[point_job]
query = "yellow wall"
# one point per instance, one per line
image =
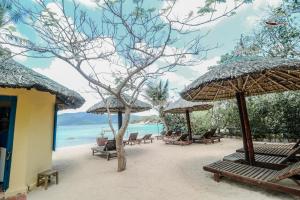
(32, 147)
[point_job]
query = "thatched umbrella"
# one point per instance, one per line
(15, 75)
(183, 106)
(115, 106)
(245, 77)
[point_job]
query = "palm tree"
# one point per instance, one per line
(7, 16)
(158, 95)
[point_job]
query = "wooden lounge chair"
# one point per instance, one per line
(132, 139)
(278, 145)
(271, 162)
(282, 150)
(108, 150)
(261, 177)
(146, 139)
(168, 134)
(182, 140)
(206, 137)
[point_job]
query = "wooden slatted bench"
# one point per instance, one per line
(45, 177)
(258, 176)
(102, 152)
(271, 162)
(283, 152)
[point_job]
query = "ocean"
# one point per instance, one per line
(86, 134)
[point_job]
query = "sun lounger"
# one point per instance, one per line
(261, 177)
(146, 138)
(273, 149)
(182, 140)
(271, 162)
(207, 137)
(267, 161)
(278, 145)
(132, 139)
(168, 134)
(108, 150)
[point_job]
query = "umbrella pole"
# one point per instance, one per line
(247, 137)
(188, 120)
(120, 119)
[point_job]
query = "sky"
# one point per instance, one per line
(225, 33)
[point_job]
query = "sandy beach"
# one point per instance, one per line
(154, 171)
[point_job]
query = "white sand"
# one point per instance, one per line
(154, 171)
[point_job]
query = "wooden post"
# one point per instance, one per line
(188, 121)
(54, 127)
(247, 136)
(119, 119)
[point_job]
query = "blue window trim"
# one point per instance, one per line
(10, 140)
(54, 127)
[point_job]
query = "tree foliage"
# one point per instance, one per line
(138, 40)
(158, 94)
(272, 115)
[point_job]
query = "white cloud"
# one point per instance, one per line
(88, 3)
(260, 7)
(263, 4)
(64, 74)
(183, 8)
(252, 21)
(203, 66)
(11, 29)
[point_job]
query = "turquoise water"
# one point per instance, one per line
(86, 134)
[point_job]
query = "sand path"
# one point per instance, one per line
(154, 171)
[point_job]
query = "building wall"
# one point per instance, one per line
(32, 147)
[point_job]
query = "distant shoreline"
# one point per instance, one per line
(136, 123)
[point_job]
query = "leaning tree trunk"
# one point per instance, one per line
(162, 116)
(119, 141)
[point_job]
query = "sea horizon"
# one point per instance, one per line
(74, 135)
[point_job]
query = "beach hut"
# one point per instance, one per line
(183, 106)
(242, 77)
(29, 103)
(115, 106)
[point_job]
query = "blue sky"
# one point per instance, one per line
(224, 32)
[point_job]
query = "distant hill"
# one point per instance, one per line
(83, 118)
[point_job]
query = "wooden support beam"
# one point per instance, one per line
(120, 119)
(197, 92)
(188, 121)
(276, 74)
(255, 82)
(247, 137)
(235, 88)
(245, 82)
(278, 84)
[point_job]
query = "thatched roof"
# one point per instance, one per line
(115, 106)
(15, 75)
(181, 106)
(252, 76)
